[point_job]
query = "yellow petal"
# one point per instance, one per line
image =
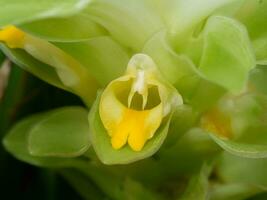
(111, 109)
(13, 37)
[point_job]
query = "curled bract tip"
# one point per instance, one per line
(133, 106)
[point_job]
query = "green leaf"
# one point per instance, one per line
(68, 29)
(101, 141)
(16, 143)
(253, 15)
(179, 70)
(115, 181)
(2, 58)
(260, 48)
(82, 184)
(195, 89)
(172, 66)
(183, 16)
(235, 169)
(247, 114)
(198, 185)
(13, 94)
(184, 118)
(233, 191)
(130, 22)
(230, 9)
(37, 68)
(241, 149)
(258, 79)
(16, 11)
(135, 190)
(227, 56)
(63, 133)
(103, 57)
(188, 154)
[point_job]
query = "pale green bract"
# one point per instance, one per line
(209, 56)
(214, 53)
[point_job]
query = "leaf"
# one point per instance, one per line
(188, 154)
(68, 29)
(196, 89)
(233, 191)
(101, 141)
(235, 169)
(63, 133)
(116, 182)
(103, 57)
(16, 11)
(2, 58)
(258, 79)
(179, 70)
(13, 94)
(135, 190)
(172, 66)
(241, 149)
(247, 119)
(198, 185)
(230, 9)
(111, 184)
(227, 56)
(253, 15)
(260, 48)
(37, 68)
(82, 184)
(129, 22)
(16, 143)
(183, 16)
(183, 119)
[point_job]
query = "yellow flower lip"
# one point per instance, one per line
(134, 127)
(133, 106)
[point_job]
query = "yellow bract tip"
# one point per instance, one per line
(216, 122)
(12, 36)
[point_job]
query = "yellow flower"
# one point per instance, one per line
(133, 106)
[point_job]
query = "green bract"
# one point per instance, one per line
(191, 74)
(21, 140)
